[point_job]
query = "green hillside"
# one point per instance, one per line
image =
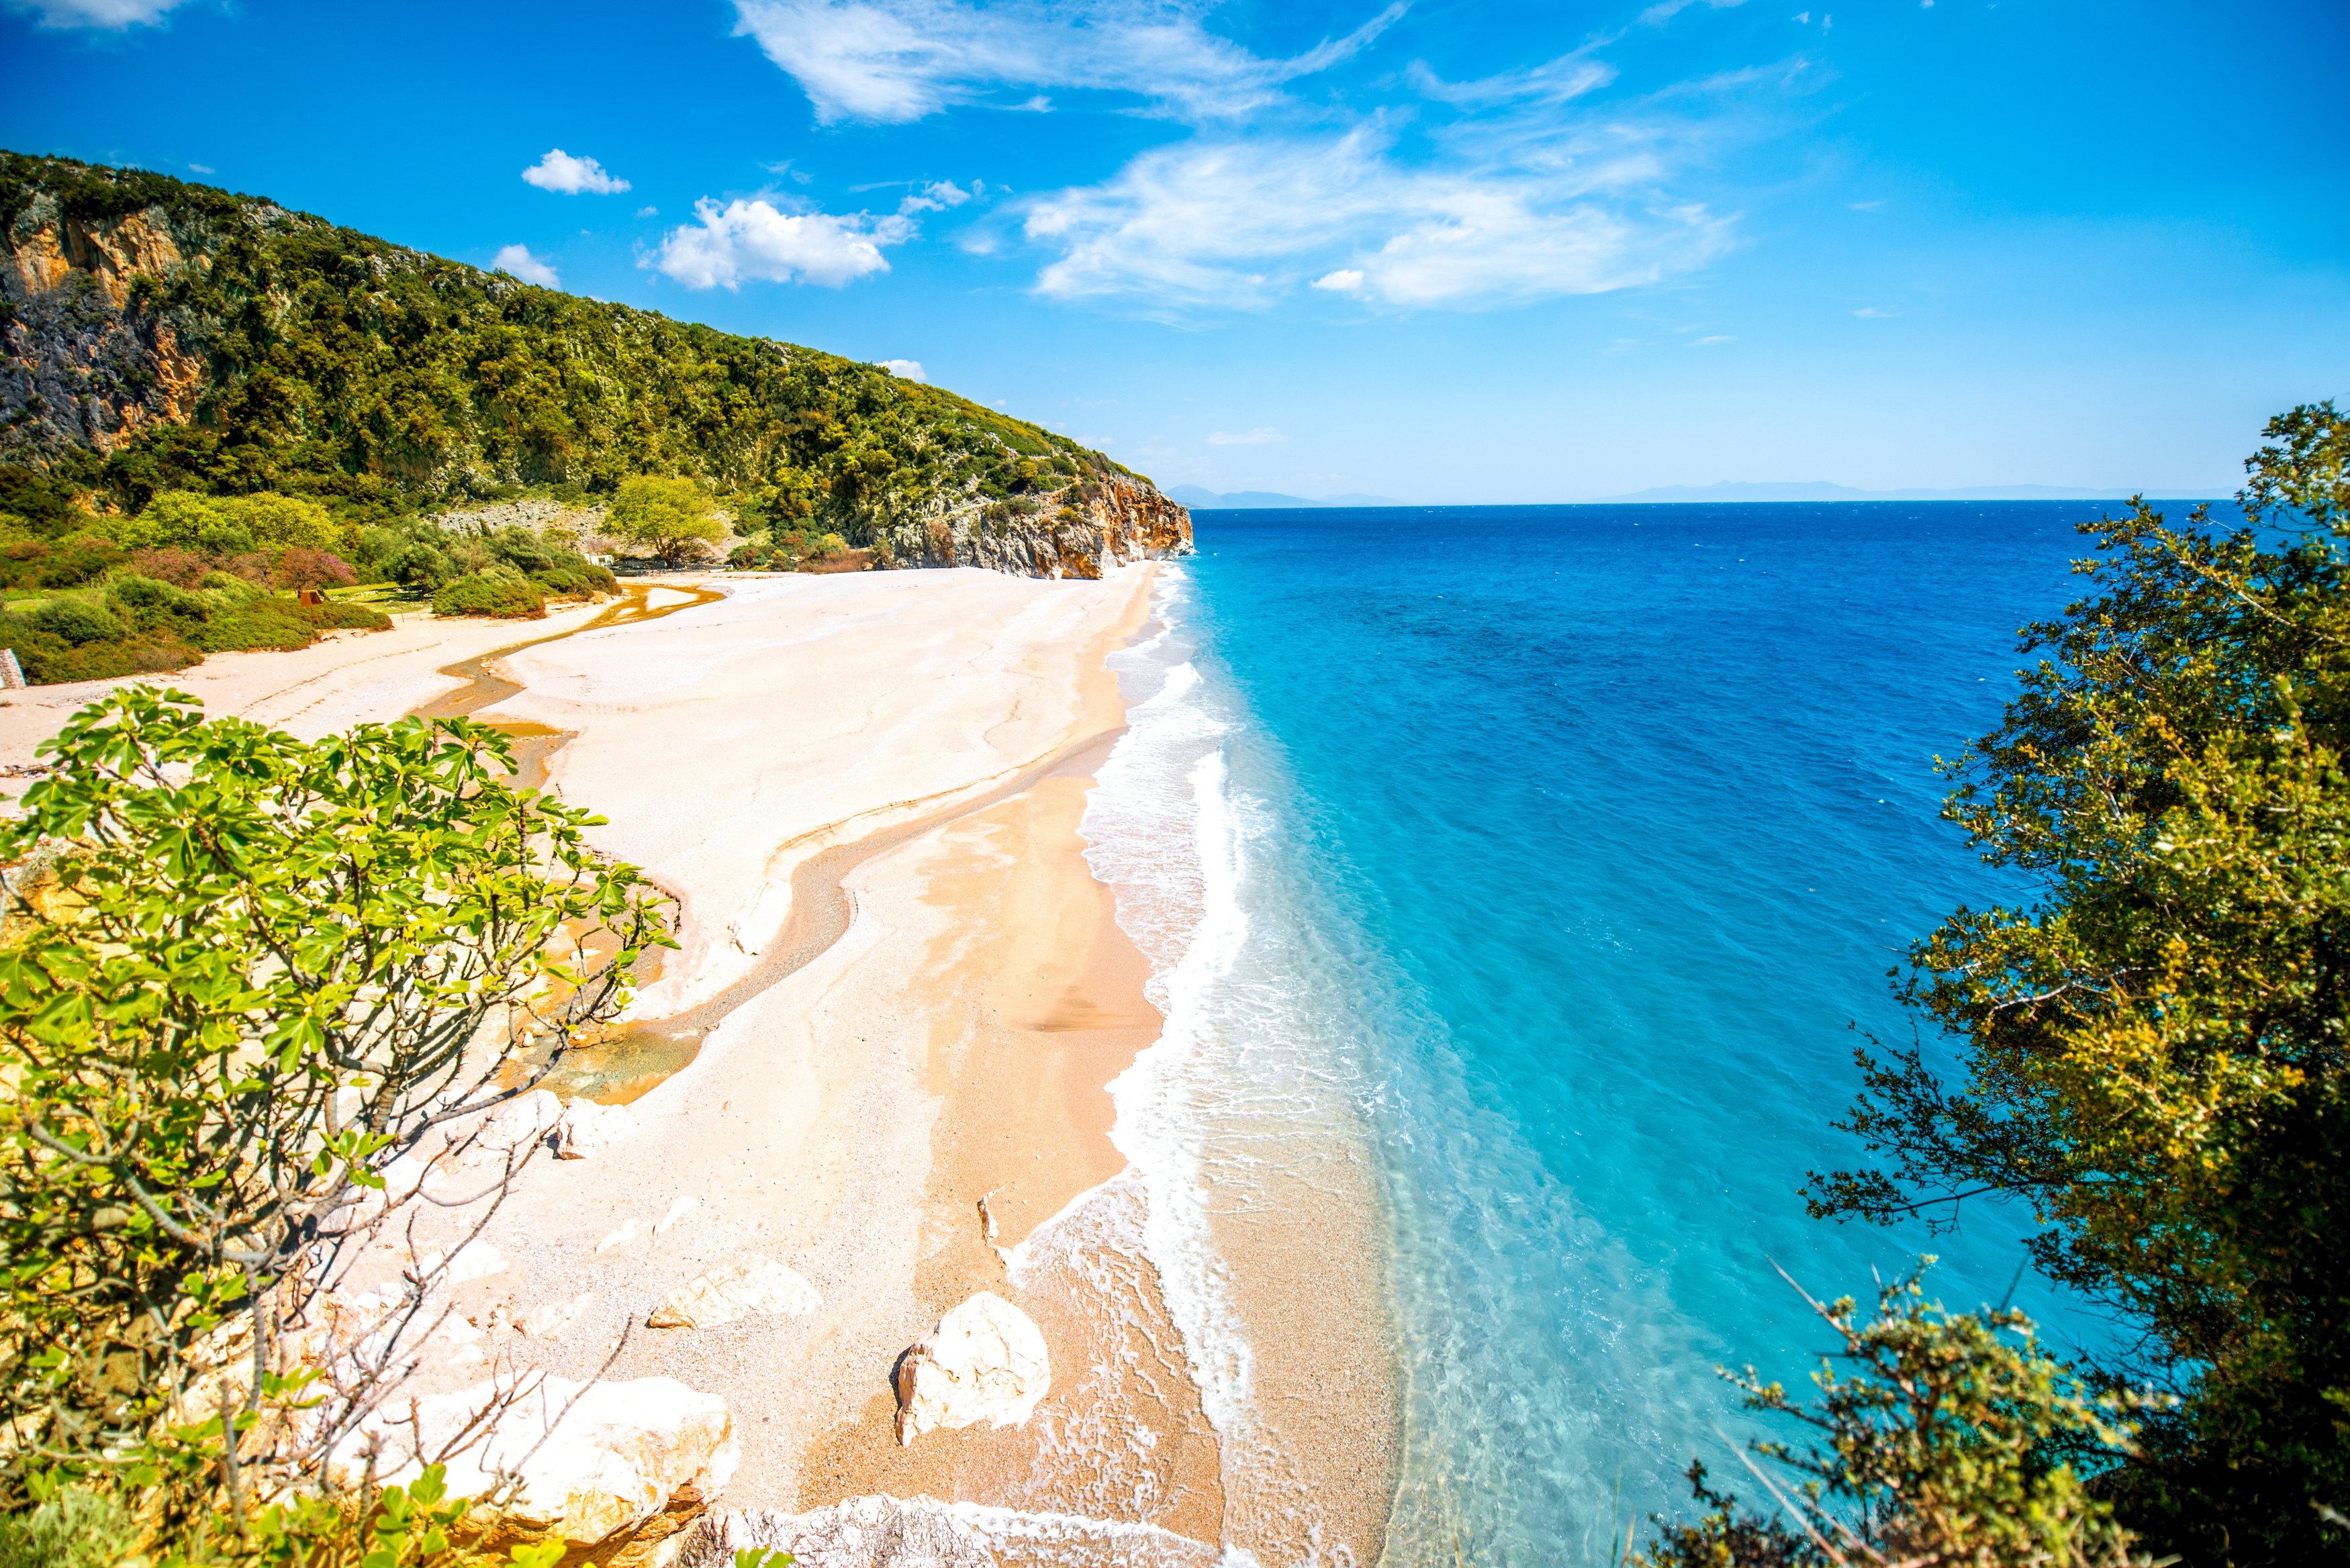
(162, 335)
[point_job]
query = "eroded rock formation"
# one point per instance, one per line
(89, 360)
(1080, 530)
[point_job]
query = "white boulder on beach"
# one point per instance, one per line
(985, 1361)
(594, 1463)
(586, 1129)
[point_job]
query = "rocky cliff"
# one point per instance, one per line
(159, 335)
(86, 368)
(1105, 521)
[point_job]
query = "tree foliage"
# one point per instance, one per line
(1938, 1443)
(380, 380)
(2153, 1049)
(667, 516)
(260, 974)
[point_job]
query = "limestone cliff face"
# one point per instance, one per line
(88, 361)
(1080, 530)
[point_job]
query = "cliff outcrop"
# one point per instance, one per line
(163, 336)
(86, 367)
(1079, 531)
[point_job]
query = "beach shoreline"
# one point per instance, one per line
(902, 1091)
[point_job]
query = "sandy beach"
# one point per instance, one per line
(926, 741)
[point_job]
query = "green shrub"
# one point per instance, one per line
(522, 549)
(479, 594)
(419, 566)
(146, 603)
(74, 562)
(377, 551)
(241, 630)
(48, 659)
(145, 626)
(75, 1529)
(333, 615)
(77, 621)
(574, 582)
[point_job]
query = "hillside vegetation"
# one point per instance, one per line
(163, 337)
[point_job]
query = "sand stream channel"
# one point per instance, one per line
(634, 1057)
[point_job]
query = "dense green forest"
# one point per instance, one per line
(185, 338)
(208, 401)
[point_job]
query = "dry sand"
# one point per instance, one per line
(933, 734)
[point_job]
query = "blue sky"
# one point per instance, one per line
(1446, 251)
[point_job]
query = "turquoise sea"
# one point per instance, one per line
(1567, 845)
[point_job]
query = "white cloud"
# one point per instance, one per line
(906, 369)
(1257, 437)
(896, 60)
(1237, 223)
(1554, 81)
(1875, 312)
(938, 197)
(1717, 338)
(559, 171)
(1666, 10)
(517, 260)
(109, 15)
(1513, 187)
(648, 211)
(754, 240)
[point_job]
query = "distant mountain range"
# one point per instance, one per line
(1821, 490)
(1257, 500)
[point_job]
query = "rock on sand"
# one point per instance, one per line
(629, 1462)
(588, 1129)
(984, 1362)
(746, 1287)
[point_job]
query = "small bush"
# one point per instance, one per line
(477, 594)
(77, 621)
(521, 549)
(574, 582)
(74, 1528)
(225, 590)
(333, 615)
(241, 630)
(48, 659)
(149, 604)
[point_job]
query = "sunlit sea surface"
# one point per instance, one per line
(1568, 844)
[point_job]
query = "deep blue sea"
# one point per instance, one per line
(1582, 837)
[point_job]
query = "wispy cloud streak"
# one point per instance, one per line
(890, 61)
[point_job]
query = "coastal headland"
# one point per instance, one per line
(879, 1056)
